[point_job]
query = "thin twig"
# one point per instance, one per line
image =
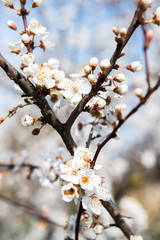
(29, 210)
(145, 48)
(78, 221)
(113, 133)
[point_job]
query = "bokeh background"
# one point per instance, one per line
(131, 165)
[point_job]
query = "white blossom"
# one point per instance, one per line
(36, 28)
(69, 191)
(44, 77)
(53, 63)
(27, 59)
(15, 47)
(73, 89)
(47, 44)
(27, 120)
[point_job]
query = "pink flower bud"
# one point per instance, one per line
(134, 66)
(115, 30)
(1, 119)
(12, 25)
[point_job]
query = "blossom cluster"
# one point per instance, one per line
(80, 182)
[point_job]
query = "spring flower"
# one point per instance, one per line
(36, 28)
(104, 64)
(27, 120)
(46, 43)
(12, 25)
(15, 47)
(73, 89)
(31, 70)
(53, 62)
(134, 66)
(27, 59)
(92, 200)
(47, 75)
(88, 180)
(69, 191)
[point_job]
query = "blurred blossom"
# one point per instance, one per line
(120, 167)
(133, 208)
(148, 159)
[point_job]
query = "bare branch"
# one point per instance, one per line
(30, 210)
(118, 218)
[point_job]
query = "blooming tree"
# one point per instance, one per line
(91, 91)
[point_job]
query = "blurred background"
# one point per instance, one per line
(131, 165)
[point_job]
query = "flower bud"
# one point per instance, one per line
(12, 25)
(134, 66)
(35, 131)
(118, 109)
(27, 120)
(115, 30)
(123, 32)
(120, 77)
(1, 119)
(121, 89)
(138, 92)
(87, 69)
(93, 62)
(104, 64)
(25, 38)
(91, 77)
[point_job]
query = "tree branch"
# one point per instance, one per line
(134, 24)
(29, 210)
